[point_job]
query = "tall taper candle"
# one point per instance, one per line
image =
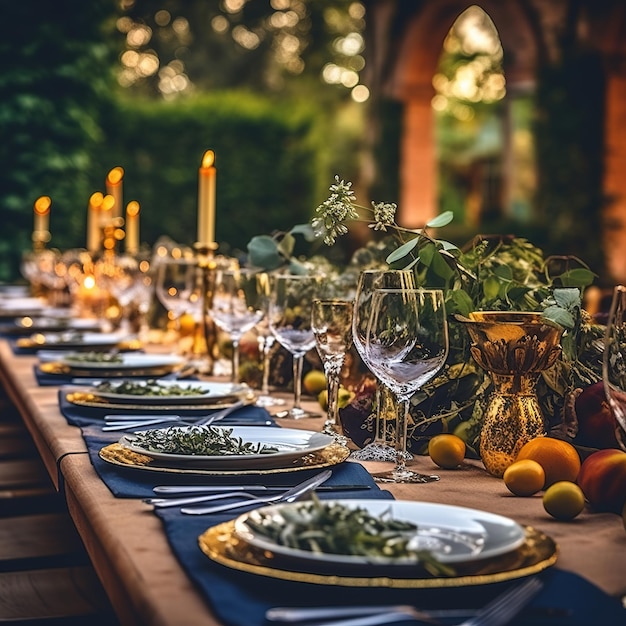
(206, 199)
(94, 232)
(114, 188)
(42, 214)
(132, 227)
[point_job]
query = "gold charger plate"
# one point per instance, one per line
(537, 553)
(122, 346)
(117, 454)
(93, 401)
(57, 368)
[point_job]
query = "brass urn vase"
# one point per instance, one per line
(514, 348)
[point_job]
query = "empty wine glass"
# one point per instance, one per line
(176, 279)
(266, 342)
(614, 362)
(236, 307)
(331, 321)
(406, 345)
(369, 280)
(290, 322)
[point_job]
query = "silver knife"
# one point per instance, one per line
(206, 489)
(161, 503)
(288, 496)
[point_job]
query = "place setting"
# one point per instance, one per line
(88, 367)
(76, 340)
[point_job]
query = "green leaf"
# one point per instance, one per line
(402, 251)
(443, 219)
(263, 252)
(459, 302)
(567, 298)
(440, 267)
(491, 288)
(579, 277)
(504, 272)
(426, 254)
(447, 246)
(305, 230)
(560, 316)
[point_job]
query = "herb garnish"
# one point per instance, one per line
(95, 357)
(332, 528)
(149, 388)
(198, 440)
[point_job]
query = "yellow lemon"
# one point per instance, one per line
(524, 478)
(345, 397)
(314, 382)
(564, 500)
(446, 450)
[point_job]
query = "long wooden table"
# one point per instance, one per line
(144, 580)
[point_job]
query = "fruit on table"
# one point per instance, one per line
(345, 397)
(564, 500)
(314, 382)
(559, 459)
(446, 450)
(524, 478)
(602, 478)
(596, 424)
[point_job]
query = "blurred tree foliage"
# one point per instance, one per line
(56, 71)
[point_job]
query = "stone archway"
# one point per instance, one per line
(404, 43)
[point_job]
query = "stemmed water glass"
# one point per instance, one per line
(331, 321)
(614, 362)
(290, 322)
(369, 280)
(266, 342)
(406, 345)
(236, 307)
(176, 279)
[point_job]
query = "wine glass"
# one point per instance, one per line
(266, 342)
(614, 362)
(290, 322)
(236, 307)
(379, 449)
(406, 345)
(176, 278)
(331, 321)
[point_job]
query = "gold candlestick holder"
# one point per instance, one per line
(205, 255)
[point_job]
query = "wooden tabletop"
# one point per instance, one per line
(143, 578)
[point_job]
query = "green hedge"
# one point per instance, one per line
(265, 159)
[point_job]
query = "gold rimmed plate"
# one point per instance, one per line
(78, 341)
(118, 455)
(288, 444)
(221, 544)
(93, 401)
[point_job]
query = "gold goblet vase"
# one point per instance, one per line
(514, 348)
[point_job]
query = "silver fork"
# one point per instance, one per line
(498, 612)
(116, 422)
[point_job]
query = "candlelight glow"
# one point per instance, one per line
(115, 176)
(208, 159)
(42, 205)
(132, 209)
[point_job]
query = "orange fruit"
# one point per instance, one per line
(524, 478)
(559, 459)
(564, 500)
(446, 450)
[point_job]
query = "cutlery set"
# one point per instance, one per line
(499, 612)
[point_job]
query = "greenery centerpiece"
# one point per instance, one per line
(490, 273)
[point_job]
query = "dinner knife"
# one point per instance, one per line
(161, 503)
(199, 489)
(288, 496)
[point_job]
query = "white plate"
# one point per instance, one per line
(207, 391)
(57, 323)
(125, 361)
(452, 533)
(292, 444)
(78, 339)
